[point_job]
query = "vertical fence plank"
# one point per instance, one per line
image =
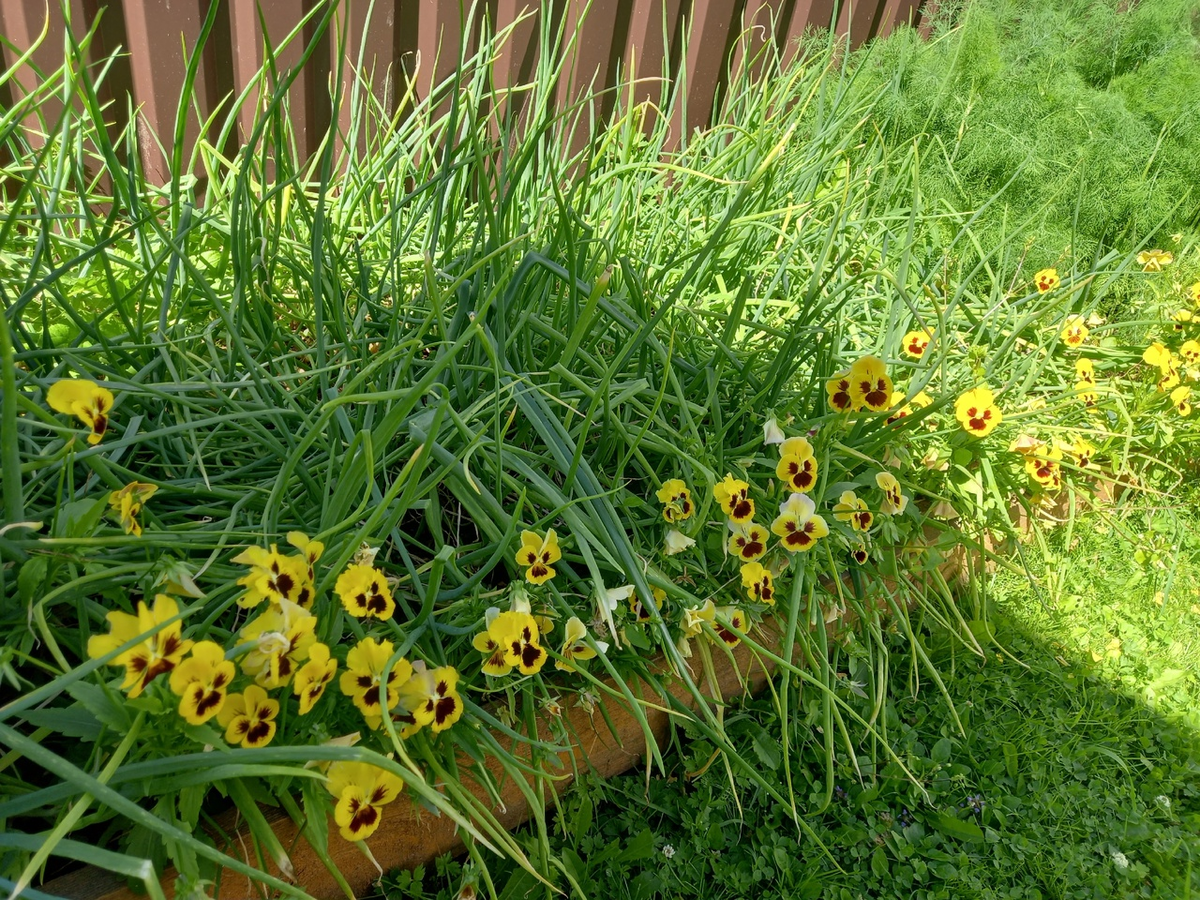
(517, 60)
(758, 27)
(592, 65)
(652, 23)
(857, 19)
(158, 43)
(373, 38)
(429, 51)
(807, 14)
(308, 101)
(21, 21)
(929, 10)
(708, 28)
(899, 12)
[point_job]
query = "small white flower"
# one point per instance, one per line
(677, 542)
(612, 597)
(772, 433)
(1120, 860)
(668, 851)
(1164, 801)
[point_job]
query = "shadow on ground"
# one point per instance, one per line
(1065, 787)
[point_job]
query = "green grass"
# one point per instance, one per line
(1078, 777)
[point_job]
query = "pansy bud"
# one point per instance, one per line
(677, 542)
(772, 433)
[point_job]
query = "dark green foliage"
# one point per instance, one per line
(1084, 113)
(1063, 789)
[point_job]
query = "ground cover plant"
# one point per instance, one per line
(1033, 802)
(736, 383)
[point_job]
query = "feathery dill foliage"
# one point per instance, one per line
(1081, 114)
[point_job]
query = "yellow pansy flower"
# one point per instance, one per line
(1046, 280)
(798, 525)
(363, 677)
(915, 343)
(156, 655)
(1170, 376)
(772, 433)
(747, 541)
(851, 508)
(431, 697)
(274, 577)
(493, 647)
(676, 542)
(759, 585)
(640, 612)
(280, 639)
(732, 495)
(1086, 393)
(1081, 452)
(1043, 466)
(837, 389)
(676, 500)
(575, 647)
(1190, 351)
(127, 504)
(1157, 355)
(1075, 332)
(1194, 291)
(518, 634)
(538, 554)
(1155, 260)
(1085, 370)
(364, 592)
(1026, 444)
(977, 412)
(736, 619)
(201, 682)
(362, 790)
(797, 466)
(1181, 398)
(796, 446)
(870, 386)
(249, 718)
(311, 551)
(894, 501)
(694, 618)
(85, 400)
(313, 677)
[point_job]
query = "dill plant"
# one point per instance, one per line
(1079, 117)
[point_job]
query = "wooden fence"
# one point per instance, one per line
(402, 39)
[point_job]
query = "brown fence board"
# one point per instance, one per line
(898, 12)
(857, 19)
(707, 25)
(21, 21)
(373, 38)
(157, 43)
(647, 50)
